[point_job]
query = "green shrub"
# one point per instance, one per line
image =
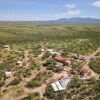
(50, 65)
(5, 90)
(16, 81)
(95, 65)
(96, 86)
(45, 56)
(59, 96)
(26, 73)
(50, 92)
(33, 84)
(2, 83)
(57, 68)
(32, 96)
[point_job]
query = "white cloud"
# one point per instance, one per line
(69, 13)
(70, 5)
(97, 3)
(73, 12)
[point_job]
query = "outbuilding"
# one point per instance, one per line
(50, 50)
(75, 56)
(42, 50)
(19, 63)
(6, 46)
(8, 74)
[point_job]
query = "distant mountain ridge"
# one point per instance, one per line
(76, 20)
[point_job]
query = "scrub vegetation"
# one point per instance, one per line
(33, 67)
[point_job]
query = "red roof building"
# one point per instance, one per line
(62, 60)
(84, 70)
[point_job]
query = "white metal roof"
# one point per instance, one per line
(7, 73)
(19, 62)
(6, 46)
(59, 86)
(50, 50)
(54, 87)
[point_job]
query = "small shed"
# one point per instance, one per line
(50, 50)
(6, 46)
(75, 56)
(42, 50)
(8, 74)
(19, 63)
(69, 62)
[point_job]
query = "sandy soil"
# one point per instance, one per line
(56, 76)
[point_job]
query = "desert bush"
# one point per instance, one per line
(33, 84)
(2, 83)
(26, 73)
(32, 96)
(50, 92)
(95, 65)
(16, 81)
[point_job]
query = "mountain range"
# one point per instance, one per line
(76, 20)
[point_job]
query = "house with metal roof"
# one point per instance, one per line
(61, 84)
(63, 60)
(84, 71)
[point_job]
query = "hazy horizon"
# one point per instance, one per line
(46, 10)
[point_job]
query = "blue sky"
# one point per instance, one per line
(32, 10)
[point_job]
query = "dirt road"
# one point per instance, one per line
(88, 58)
